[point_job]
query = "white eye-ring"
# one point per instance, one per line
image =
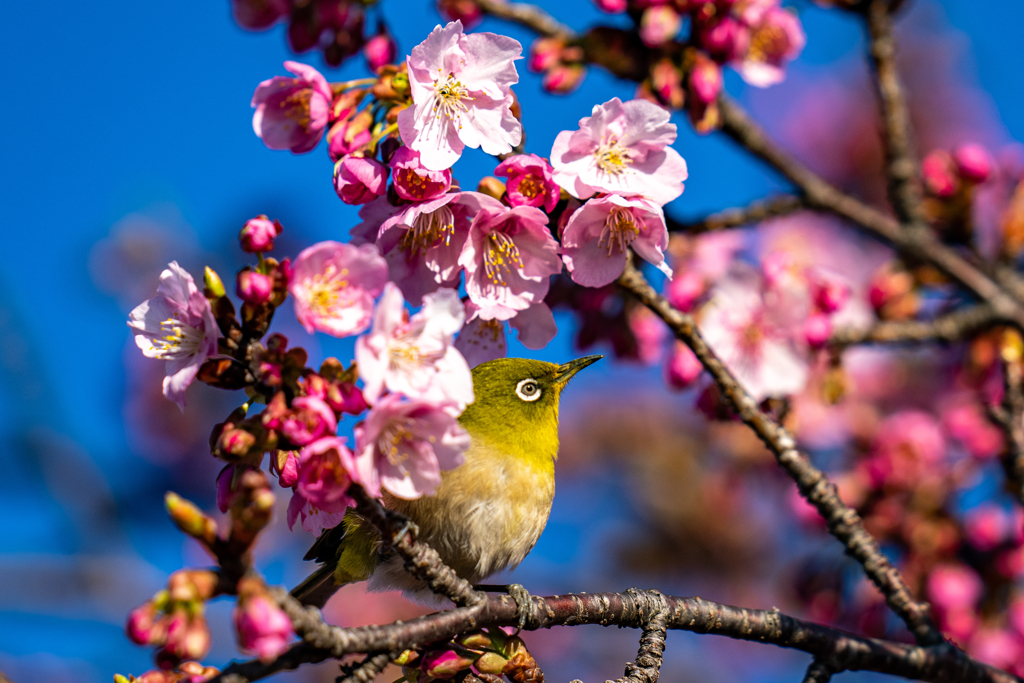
(528, 390)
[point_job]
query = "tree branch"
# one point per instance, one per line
(529, 16)
(818, 672)
(1010, 418)
(900, 161)
(843, 522)
(941, 663)
(959, 325)
(647, 666)
(760, 210)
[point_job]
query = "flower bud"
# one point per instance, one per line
(666, 82)
(145, 626)
(830, 295)
(491, 186)
(563, 78)
(406, 657)
(380, 50)
(358, 180)
(725, 40)
(466, 11)
(258, 234)
(475, 640)
(235, 441)
(973, 162)
(817, 330)
(413, 181)
(189, 518)
(188, 638)
(939, 174)
(255, 288)
(213, 287)
(288, 468)
(544, 54)
(446, 663)
(491, 663)
(263, 628)
(659, 24)
(611, 6)
(683, 367)
(685, 290)
(348, 136)
(706, 79)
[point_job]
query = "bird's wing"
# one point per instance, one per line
(349, 553)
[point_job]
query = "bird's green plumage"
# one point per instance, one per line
(488, 513)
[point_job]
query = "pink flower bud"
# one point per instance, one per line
(683, 367)
(256, 288)
(358, 180)
(263, 628)
(234, 441)
(725, 40)
(939, 174)
(380, 50)
(258, 234)
(973, 162)
(611, 6)
(445, 663)
(830, 295)
(951, 586)
(659, 25)
(145, 626)
(187, 638)
(986, 526)
(466, 11)
(225, 491)
(563, 78)
(706, 80)
(544, 53)
(817, 330)
(289, 474)
(685, 289)
(349, 136)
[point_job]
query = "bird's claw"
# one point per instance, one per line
(524, 603)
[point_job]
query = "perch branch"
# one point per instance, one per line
(529, 16)
(961, 324)
(760, 210)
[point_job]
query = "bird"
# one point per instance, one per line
(488, 513)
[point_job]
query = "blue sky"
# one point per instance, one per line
(126, 106)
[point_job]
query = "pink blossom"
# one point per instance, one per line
(650, 334)
(817, 330)
(263, 628)
(334, 286)
(145, 626)
(326, 468)
(774, 41)
(310, 419)
(954, 586)
(258, 234)
(178, 326)
(939, 173)
(706, 80)
(445, 664)
(461, 96)
(829, 293)
(545, 53)
(622, 148)
(908, 446)
(313, 519)
(187, 637)
(659, 24)
(995, 647)
(986, 526)
(410, 442)
(415, 356)
(289, 474)
(509, 257)
(753, 334)
(481, 340)
(611, 6)
(291, 113)
(535, 327)
(683, 367)
(597, 237)
(349, 135)
(253, 287)
(420, 242)
(415, 182)
(380, 50)
(685, 289)
(358, 180)
(562, 79)
(973, 162)
(724, 40)
(529, 181)
(974, 430)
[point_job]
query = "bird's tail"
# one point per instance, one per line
(317, 588)
(349, 553)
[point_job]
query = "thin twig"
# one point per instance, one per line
(900, 161)
(530, 16)
(760, 210)
(961, 324)
(843, 522)
(818, 672)
(1010, 418)
(942, 663)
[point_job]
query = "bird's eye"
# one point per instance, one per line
(528, 390)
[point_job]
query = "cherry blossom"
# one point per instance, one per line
(326, 469)
(776, 37)
(410, 442)
(529, 181)
(509, 257)
(334, 286)
(754, 336)
(461, 96)
(415, 182)
(597, 237)
(358, 180)
(420, 242)
(292, 113)
(263, 628)
(415, 356)
(177, 326)
(622, 148)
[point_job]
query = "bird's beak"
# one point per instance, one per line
(567, 371)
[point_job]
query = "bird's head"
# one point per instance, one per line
(516, 404)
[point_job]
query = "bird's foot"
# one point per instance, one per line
(524, 601)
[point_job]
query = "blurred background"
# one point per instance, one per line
(133, 146)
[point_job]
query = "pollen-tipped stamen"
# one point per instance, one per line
(620, 229)
(500, 255)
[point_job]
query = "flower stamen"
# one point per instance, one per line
(500, 255)
(449, 96)
(620, 229)
(179, 339)
(429, 230)
(612, 158)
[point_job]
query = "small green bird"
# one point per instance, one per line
(488, 513)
